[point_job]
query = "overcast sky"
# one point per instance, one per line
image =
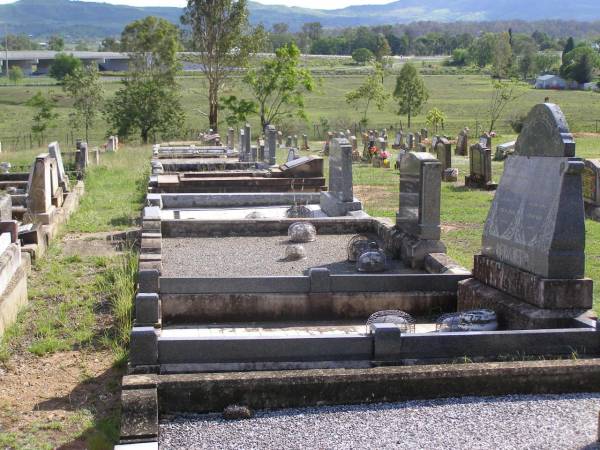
(321, 4)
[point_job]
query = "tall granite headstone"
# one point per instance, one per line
(271, 153)
(418, 217)
(339, 199)
(532, 264)
(248, 142)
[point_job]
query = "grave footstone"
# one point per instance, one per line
(532, 264)
(339, 199)
(418, 217)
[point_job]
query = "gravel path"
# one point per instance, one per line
(514, 422)
(256, 256)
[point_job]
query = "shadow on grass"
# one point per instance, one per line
(101, 397)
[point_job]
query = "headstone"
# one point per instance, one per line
(112, 144)
(536, 222)
(292, 154)
(410, 141)
(279, 138)
(398, 141)
(248, 142)
(443, 150)
(304, 167)
(271, 147)
(591, 188)
(485, 140)
(480, 164)
(242, 142)
(532, 264)
(295, 141)
(39, 187)
(230, 138)
(504, 150)
(424, 133)
(462, 143)
(339, 199)
(420, 188)
(54, 151)
(417, 138)
(305, 142)
(288, 142)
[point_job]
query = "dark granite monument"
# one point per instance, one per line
(462, 143)
(443, 151)
(532, 264)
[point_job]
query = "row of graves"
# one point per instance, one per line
(34, 202)
(270, 297)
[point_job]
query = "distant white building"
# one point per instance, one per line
(550, 82)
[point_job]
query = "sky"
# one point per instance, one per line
(320, 4)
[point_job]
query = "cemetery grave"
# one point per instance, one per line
(32, 208)
(244, 297)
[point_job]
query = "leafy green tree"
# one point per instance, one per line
(109, 44)
(503, 93)
(482, 49)
(43, 113)
(579, 64)
(569, 46)
(15, 74)
(546, 62)
(410, 92)
(85, 89)
(223, 37)
(239, 110)
(435, 118)
(382, 48)
(56, 43)
(502, 59)
(18, 42)
(64, 65)
(371, 91)
(312, 30)
(279, 84)
(362, 55)
(459, 57)
(149, 101)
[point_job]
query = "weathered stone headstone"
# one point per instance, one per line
(248, 143)
(39, 187)
(230, 138)
(410, 141)
(279, 138)
(339, 199)
(462, 143)
(504, 150)
(242, 141)
(305, 142)
(443, 150)
(418, 215)
(398, 141)
(480, 164)
(591, 188)
(271, 147)
(292, 154)
(295, 141)
(54, 151)
(532, 263)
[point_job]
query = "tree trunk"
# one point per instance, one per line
(145, 136)
(409, 121)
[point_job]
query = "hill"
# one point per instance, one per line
(81, 19)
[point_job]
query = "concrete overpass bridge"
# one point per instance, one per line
(36, 62)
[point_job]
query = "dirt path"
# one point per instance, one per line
(68, 397)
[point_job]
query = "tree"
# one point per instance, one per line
(382, 48)
(280, 28)
(369, 92)
(410, 92)
(18, 42)
(503, 93)
(223, 38)
(85, 89)
(459, 57)
(312, 30)
(44, 115)
(56, 43)
(569, 46)
(546, 62)
(362, 55)
(579, 64)
(109, 44)
(15, 74)
(64, 65)
(435, 118)
(502, 58)
(279, 84)
(239, 110)
(149, 101)
(482, 49)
